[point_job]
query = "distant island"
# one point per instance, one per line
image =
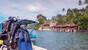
(75, 20)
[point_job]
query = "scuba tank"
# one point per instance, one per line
(10, 28)
(6, 29)
(13, 29)
(13, 40)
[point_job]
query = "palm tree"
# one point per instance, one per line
(86, 1)
(63, 9)
(80, 2)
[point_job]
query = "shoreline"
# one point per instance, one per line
(63, 31)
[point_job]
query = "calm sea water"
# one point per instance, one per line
(62, 40)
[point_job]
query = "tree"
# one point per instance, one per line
(42, 19)
(70, 16)
(84, 22)
(59, 19)
(87, 7)
(80, 2)
(86, 1)
(69, 11)
(63, 9)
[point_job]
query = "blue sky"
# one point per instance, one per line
(28, 9)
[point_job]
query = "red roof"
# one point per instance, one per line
(67, 25)
(46, 25)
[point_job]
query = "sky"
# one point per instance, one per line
(29, 9)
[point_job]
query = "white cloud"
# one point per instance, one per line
(35, 8)
(30, 8)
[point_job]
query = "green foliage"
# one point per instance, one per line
(42, 19)
(80, 2)
(59, 19)
(80, 17)
(83, 22)
(37, 26)
(76, 16)
(86, 1)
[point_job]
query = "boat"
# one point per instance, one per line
(22, 43)
(38, 48)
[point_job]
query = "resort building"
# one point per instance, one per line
(66, 28)
(46, 27)
(60, 28)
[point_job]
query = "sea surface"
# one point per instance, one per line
(62, 40)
